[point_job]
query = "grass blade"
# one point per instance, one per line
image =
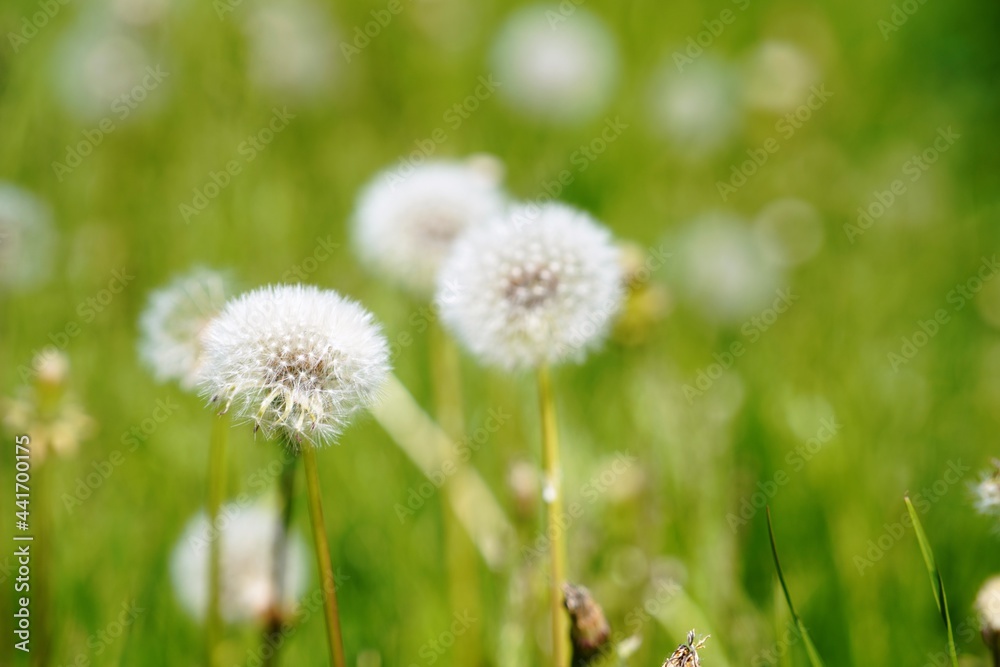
(811, 651)
(937, 584)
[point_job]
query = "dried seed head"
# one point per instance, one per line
(686, 654)
(589, 630)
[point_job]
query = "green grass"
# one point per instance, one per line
(694, 463)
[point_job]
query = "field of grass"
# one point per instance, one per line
(880, 376)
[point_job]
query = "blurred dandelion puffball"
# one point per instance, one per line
(789, 230)
(986, 492)
(294, 359)
(555, 63)
(540, 286)
(246, 564)
(173, 322)
(404, 225)
(722, 270)
(988, 607)
(778, 76)
(291, 48)
(26, 238)
(697, 109)
(102, 71)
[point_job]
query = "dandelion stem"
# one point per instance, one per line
(323, 558)
(216, 491)
(286, 494)
(463, 574)
(552, 495)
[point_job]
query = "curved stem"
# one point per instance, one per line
(323, 558)
(216, 491)
(552, 494)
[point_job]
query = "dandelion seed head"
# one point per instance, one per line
(246, 565)
(96, 63)
(697, 110)
(722, 269)
(986, 491)
(554, 66)
(789, 230)
(988, 607)
(778, 76)
(405, 224)
(294, 359)
(171, 326)
(539, 286)
(26, 239)
(291, 49)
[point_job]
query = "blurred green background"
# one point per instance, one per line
(698, 457)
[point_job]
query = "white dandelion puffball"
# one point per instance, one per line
(778, 77)
(556, 65)
(988, 606)
(697, 109)
(247, 590)
(986, 492)
(296, 360)
(26, 239)
(789, 230)
(100, 68)
(405, 225)
(539, 286)
(291, 48)
(171, 326)
(722, 269)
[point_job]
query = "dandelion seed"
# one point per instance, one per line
(294, 359)
(246, 556)
(405, 225)
(538, 287)
(173, 322)
(553, 66)
(26, 239)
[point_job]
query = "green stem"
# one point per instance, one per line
(552, 495)
(460, 555)
(323, 558)
(216, 491)
(276, 620)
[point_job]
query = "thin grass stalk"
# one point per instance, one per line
(327, 581)
(811, 651)
(937, 584)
